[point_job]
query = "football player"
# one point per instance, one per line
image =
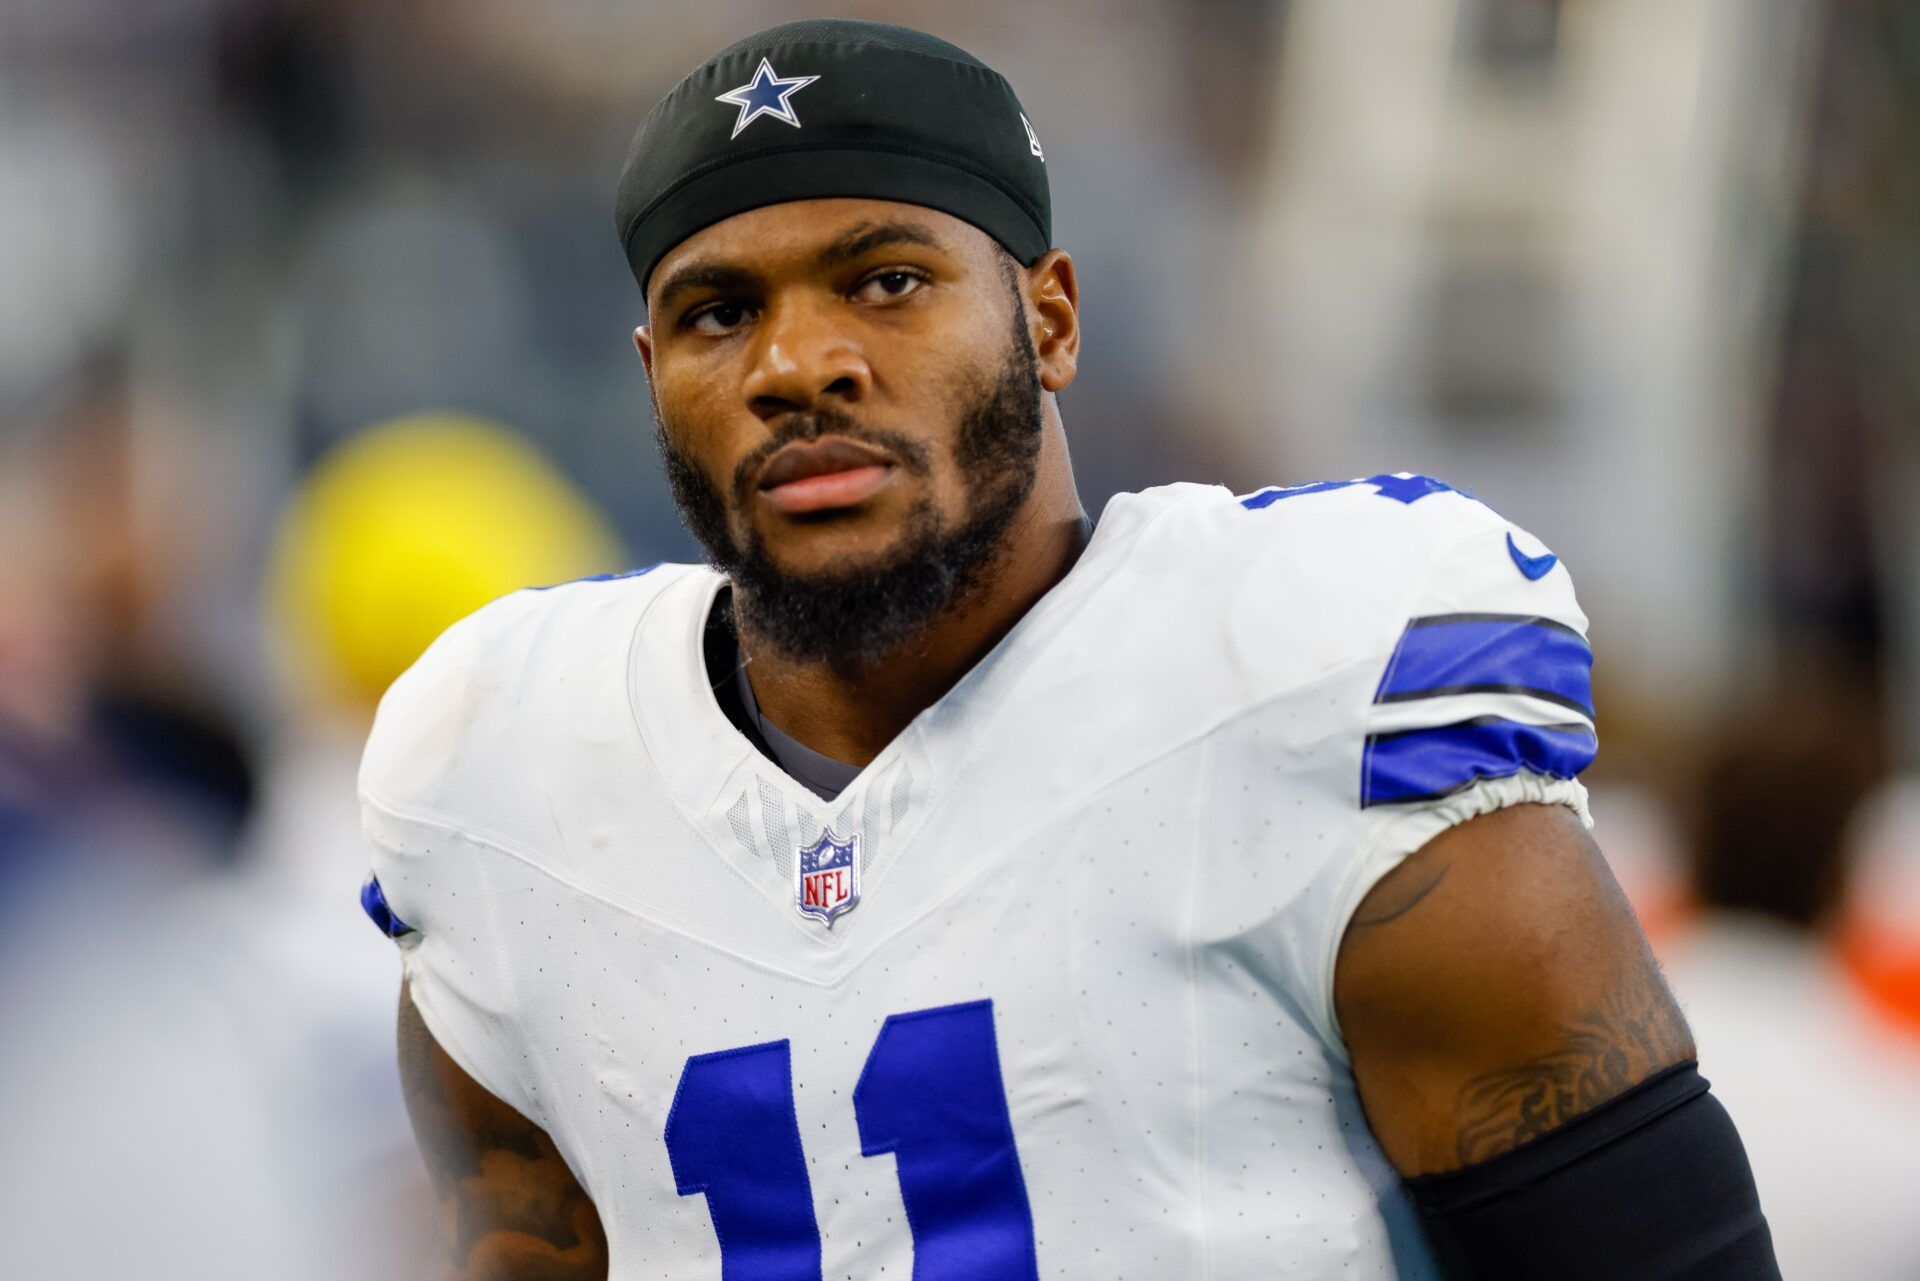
(938, 884)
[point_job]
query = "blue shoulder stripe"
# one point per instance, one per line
(373, 900)
(1407, 488)
(1268, 497)
(1425, 764)
(642, 572)
(1490, 654)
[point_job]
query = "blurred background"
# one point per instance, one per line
(314, 335)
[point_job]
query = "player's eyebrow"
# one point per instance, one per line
(718, 277)
(851, 245)
(869, 236)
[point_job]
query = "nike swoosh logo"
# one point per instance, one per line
(1534, 567)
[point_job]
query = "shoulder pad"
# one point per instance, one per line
(460, 697)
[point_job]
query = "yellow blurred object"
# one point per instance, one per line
(409, 527)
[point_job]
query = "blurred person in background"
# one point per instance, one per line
(119, 789)
(121, 772)
(1828, 1095)
(235, 1035)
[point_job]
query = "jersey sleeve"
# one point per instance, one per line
(1485, 700)
(1489, 678)
(1452, 679)
(432, 885)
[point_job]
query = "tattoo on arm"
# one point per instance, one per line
(509, 1208)
(1609, 1049)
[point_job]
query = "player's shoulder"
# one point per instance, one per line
(1296, 580)
(498, 674)
(489, 650)
(1381, 536)
(1393, 525)
(1454, 636)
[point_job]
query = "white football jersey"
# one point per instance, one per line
(1047, 991)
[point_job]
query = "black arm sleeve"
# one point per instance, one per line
(1653, 1185)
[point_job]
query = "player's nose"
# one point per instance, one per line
(801, 358)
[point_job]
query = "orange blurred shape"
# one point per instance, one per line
(1879, 935)
(1886, 964)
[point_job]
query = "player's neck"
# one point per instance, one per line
(852, 714)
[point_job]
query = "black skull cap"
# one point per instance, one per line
(829, 107)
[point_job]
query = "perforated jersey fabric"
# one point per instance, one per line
(1100, 889)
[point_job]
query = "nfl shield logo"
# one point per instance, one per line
(826, 877)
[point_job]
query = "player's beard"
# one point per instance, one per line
(861, 610)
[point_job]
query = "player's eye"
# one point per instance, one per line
(884, 286)
(718, 317)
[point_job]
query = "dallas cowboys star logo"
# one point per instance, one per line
(765, 95)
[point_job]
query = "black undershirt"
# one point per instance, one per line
(822, 775)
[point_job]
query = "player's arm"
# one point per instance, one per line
(510, 1209)
(1524, 1066)
(1496, 985)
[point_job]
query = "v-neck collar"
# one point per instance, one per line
(692, 741)
(823, 775)
(727, 676)
(752, 812)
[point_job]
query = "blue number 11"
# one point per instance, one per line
(931, 1094)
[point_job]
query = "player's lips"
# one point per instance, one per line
(820, 475)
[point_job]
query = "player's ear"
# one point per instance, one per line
(643, 343)
(1053, 292)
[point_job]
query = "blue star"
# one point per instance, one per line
(765, 95)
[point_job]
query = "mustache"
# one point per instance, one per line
(913, 456)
